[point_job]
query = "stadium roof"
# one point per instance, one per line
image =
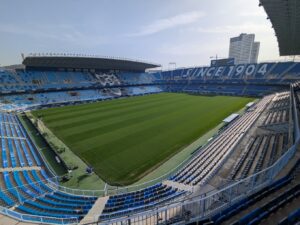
(86, 62)
(230, 118)
(285, 18)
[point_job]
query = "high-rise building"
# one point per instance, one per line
(244, 49)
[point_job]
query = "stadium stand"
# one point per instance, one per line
(30, 193)
(270, 207)
(277, 190)
(25, 185)
(261, 152)
(292, 218)
(31, 88)
(24, 180)
(141, 200)
(210, 159)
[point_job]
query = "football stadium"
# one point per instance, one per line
(108, 140)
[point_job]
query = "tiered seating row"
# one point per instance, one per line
(278, 116)
(282, 101)
(12, 81)
(247, 202)
(140, 200)
(292, 218)
(21, 102)
(258, 214)
(261, 152)
(279, 110)
(17, 150)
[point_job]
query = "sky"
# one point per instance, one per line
(187, 32)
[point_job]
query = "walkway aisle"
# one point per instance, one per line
(95, 211)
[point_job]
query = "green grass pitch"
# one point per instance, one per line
(125, 139)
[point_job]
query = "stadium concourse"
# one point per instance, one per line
(253, 156)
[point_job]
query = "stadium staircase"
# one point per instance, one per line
(97, 209)
(9, 137)
(25, 168)
(5, 220)
(179, 186)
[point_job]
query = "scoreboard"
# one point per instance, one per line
(222, 62)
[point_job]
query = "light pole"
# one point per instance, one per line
(214, 57)
(172, 64)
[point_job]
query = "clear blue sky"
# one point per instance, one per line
(187, 32)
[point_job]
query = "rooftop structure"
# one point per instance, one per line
(284, 16)
(73, 61)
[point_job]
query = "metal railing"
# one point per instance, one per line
(37, 219)
(55, 185)
(208, 204)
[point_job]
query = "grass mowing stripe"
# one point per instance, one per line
(131, 116)
(90, 117)
(105, 107)
(84, 107)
